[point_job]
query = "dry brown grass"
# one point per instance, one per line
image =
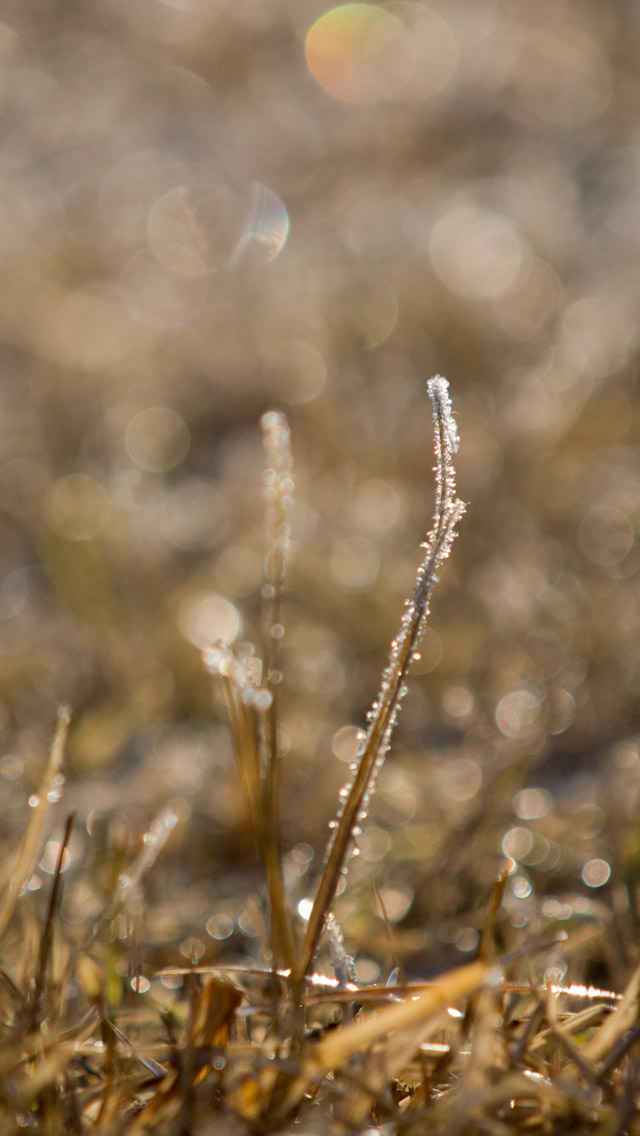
(196, 225)
(98, 1039)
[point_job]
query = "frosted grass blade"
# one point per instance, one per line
(383, 714)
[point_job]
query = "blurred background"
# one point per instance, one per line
(211, 208)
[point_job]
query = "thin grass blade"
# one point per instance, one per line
(383, 715)
(32, 838)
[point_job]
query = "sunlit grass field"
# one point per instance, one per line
(237, 241)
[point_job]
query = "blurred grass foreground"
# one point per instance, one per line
(210, 209)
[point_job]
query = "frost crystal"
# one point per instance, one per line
(278, 486)
(243, 671)
(438, 390)
(343, 966)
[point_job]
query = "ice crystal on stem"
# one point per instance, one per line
(278, 490)
(343, 965)
(244, 673)
(384, 712)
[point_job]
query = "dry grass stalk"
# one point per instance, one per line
(251, 690)
(249, 1050)
(278, 492)
(49, 792)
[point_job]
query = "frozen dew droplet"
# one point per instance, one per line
(262, 699)
(55, 792)
(218, 658)
(304, 908)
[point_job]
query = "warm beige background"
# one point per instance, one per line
(193, 230)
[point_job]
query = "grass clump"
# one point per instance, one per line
(105, 1031)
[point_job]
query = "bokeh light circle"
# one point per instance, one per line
(476, 253)
(206, 618)
(433, 50)
(595, 873)
(605, 535)
(517, 712)
(352, 53)
(366, 53)
(296, 372)
(157, 439)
